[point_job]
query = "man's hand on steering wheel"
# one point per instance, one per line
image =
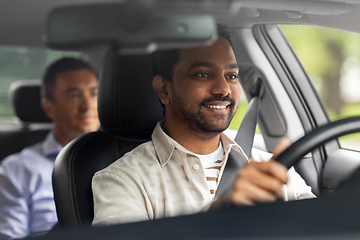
(258, 182)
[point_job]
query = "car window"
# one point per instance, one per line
(22, 63)
(331, 59)
(240, 112)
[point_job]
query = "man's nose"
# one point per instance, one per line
(85, 102)
(220, 86)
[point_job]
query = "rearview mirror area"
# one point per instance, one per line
(131, 27)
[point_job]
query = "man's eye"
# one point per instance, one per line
(232, 76)
(202, 75)
(74, 95)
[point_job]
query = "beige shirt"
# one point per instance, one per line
(161, 178)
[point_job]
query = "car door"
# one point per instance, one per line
(291, 106)
(340, 158)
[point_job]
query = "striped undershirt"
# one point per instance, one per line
(212, 163)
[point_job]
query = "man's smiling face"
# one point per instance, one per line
(205, 90)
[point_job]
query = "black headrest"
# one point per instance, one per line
(26, 100)
(127, 102)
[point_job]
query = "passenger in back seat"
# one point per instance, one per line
(69, 98)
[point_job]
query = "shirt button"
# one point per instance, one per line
(196, 167)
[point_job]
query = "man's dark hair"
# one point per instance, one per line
(59, 66)
(164, 61)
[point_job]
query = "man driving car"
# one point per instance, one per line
(69, 98)
(179, 170)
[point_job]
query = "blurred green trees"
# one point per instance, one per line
(324, 53)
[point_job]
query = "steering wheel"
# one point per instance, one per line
(310, 141)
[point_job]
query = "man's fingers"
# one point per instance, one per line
(246, 193)
(259, 182)
(271, 168)
(261, 176)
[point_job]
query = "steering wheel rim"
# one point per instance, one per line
(317, 137)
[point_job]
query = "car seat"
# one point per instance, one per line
(31, 125)
(128, 111)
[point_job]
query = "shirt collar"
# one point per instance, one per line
(229, 144)
(50, 146)
(165, 145)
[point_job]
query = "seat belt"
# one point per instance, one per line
(245, 135)
(244, 138)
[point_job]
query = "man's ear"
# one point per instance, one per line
(161, 86)
(48, 107)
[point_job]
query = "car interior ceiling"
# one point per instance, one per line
(24, 27)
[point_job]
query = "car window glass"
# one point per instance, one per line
(331, 59)
(240, 112)
(22, 63)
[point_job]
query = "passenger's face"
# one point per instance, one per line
(205, 90)
(74, 107)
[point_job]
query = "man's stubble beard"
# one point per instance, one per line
(197, 121)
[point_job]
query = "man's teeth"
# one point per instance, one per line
(216, 107)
